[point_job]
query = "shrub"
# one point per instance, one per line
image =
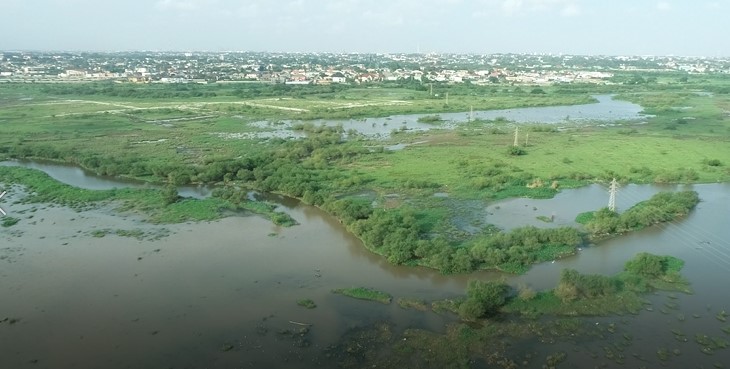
(483, 298)
(566, 292)
(169, 194)
(471, 310)
(526, 293)
(307, 303)
(516, 151)
(646, 265)
(431, 119)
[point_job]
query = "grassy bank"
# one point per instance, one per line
(152, 203)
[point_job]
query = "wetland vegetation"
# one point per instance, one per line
(491, 309)
(410, 205)
(364, 293)
(143, 132)
(153, 203)
(662, 207)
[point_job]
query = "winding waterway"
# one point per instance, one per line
(604, 110)
(219, 294)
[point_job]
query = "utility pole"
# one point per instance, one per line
(1, 209)
(447, 98)
(471, 113)
(431, 93)
(527, 138)
(517, 136)
(612, 195)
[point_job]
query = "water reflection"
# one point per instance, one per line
(218, 282)
(606, 109)
(81, 178)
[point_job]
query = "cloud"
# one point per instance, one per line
(189, 5)
(663, 6)
(570, 10)
(511, 7)
(180, 5)
(566, 8)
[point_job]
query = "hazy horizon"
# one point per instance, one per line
(568, 27)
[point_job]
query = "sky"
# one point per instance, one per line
(584, 27)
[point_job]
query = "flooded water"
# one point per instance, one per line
(82, 178)
(223, 294)
(606, 109)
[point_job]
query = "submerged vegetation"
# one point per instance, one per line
(591, 294)
(9, 221)
(575, 294)
(307, 303)
(496, 320)
(363, 293)
(430, 119)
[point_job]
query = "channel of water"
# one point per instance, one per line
(179, 301)
(606, 109)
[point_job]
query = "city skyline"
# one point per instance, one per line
(576, 27)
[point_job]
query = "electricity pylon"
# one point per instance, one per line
(612, 195)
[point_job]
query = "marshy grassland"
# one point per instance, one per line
(207, 134)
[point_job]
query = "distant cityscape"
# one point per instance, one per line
(329, 68)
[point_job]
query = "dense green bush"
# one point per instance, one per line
(516, 151)
(574, 285)
(483, 298)
(662, 207)
(652, 266)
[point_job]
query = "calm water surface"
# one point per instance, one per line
(606, 109)
(216, 294)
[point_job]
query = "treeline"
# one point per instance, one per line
(127, 91)
(306, 169)
(182, 91)
(275, 168)
(402, 239)
(662, 207)
(280, 90)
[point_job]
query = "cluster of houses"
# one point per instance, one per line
(301, 69)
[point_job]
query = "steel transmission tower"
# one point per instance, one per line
(612, 195)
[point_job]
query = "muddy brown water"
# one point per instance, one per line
(223, 294)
